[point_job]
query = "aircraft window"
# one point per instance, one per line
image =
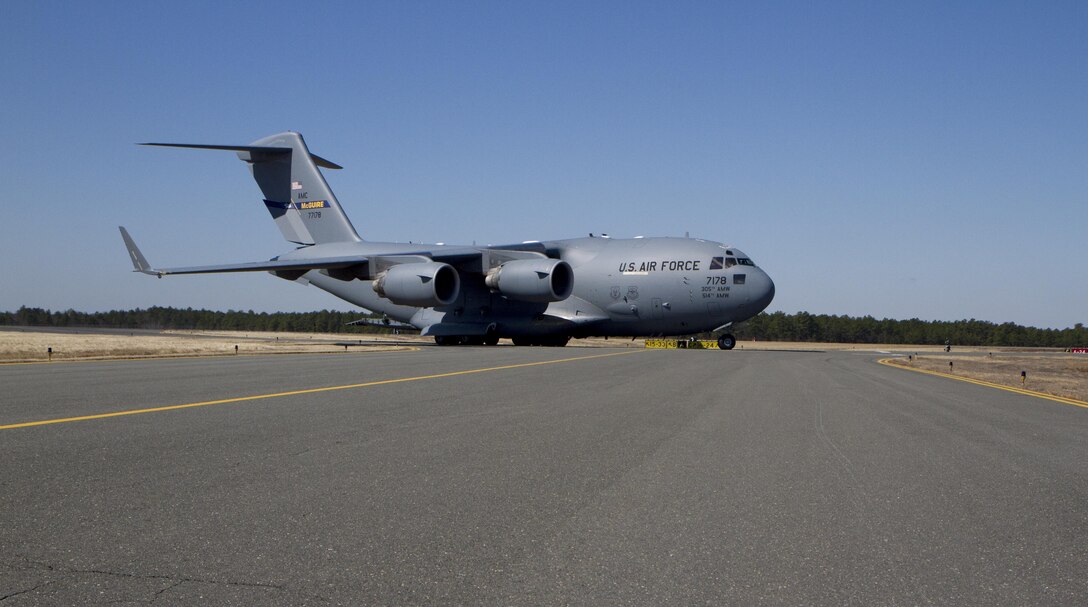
(744, 261)
(728, 252)
(738, 279)
(730, 262)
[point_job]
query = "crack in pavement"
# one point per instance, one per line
(29, 564)
(8, 596)
(33, 564)
(162, 590)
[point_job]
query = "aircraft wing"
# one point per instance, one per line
(531, 246)
(451, 255)
(384, 322)
(140, 263)
(272, 265)
(469, 258)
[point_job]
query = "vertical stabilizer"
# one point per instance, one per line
(295, 191)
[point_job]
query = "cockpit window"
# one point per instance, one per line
(730, 262)
(744, 261)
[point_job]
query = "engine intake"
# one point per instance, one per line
(533, 280)
(423, 284)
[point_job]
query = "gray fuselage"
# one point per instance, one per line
(622, 287)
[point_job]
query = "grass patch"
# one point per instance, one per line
(1058, 375)
(17, 346)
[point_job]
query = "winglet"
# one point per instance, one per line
(139, 262)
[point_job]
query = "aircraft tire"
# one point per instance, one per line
(521, 341)
(727, 342)
(491, 340)
(441, 340)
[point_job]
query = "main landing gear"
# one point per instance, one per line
(466, 340)
(554, 341)
(727, 342)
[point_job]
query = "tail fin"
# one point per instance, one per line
(295, 192)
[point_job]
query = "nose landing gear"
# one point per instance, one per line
(727, 342)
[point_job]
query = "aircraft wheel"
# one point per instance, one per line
(727, 342)
(441, 340)
(491, 340)
(521, 341)
(474, 340)
(558, 341)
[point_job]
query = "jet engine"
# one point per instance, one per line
(422, 284)
(533, 280)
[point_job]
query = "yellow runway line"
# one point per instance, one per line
(239, 399)
(1058, 399)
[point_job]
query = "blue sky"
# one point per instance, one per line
(895, 159)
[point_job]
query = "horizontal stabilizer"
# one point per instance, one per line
(319, 161)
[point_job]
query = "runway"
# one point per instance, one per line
(530, 476)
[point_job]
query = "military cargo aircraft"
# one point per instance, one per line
(535, 293)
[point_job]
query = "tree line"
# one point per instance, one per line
(776, 326)
(802, 326)
(159, 318)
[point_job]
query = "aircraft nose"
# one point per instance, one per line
(763, 292)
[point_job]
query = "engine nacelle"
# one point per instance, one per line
(534, 280)
(423, 284)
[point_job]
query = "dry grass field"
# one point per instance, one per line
(18, 346)
(1060, 375)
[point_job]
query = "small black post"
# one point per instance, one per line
(50, 350)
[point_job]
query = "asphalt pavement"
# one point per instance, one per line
(535, 476)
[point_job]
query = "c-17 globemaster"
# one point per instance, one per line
(535, 293)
